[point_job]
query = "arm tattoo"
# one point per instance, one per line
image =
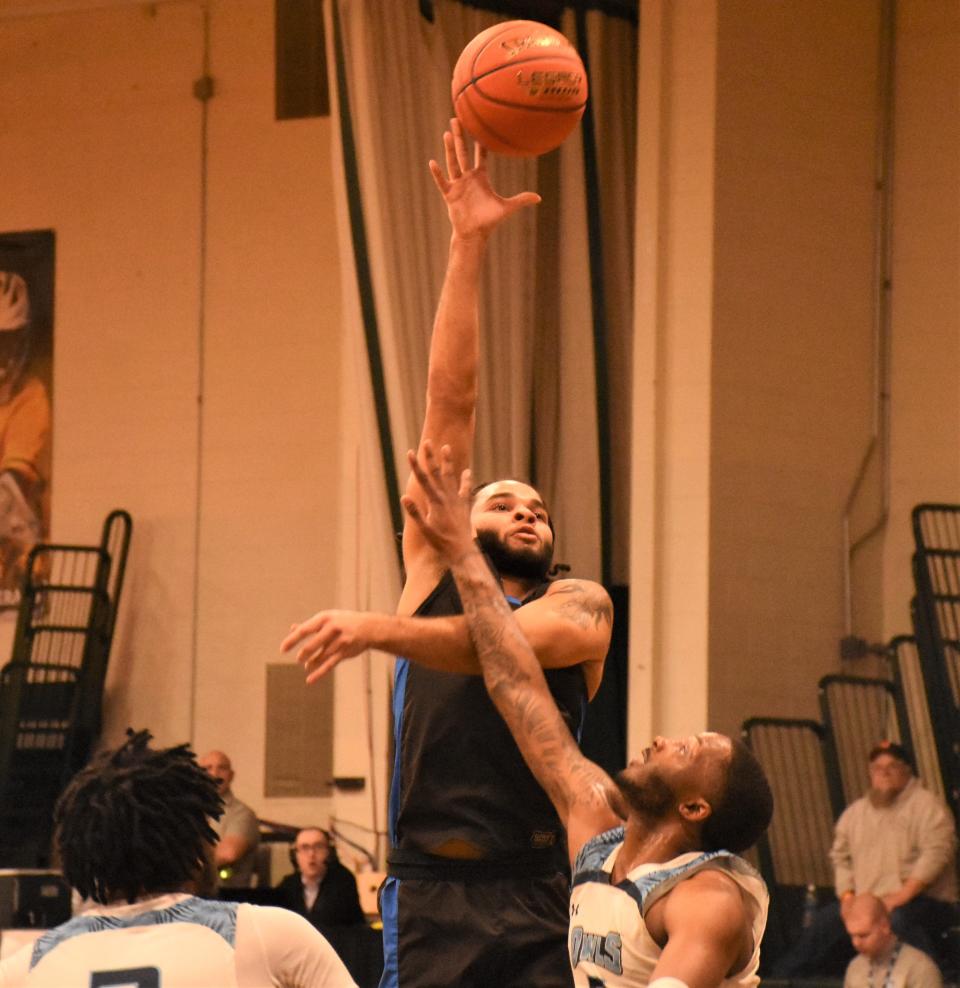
(585, 605)
(517, 686)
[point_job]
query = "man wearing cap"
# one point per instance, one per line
(897, 842)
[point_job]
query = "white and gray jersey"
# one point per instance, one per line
(179, 941)
(610, 946)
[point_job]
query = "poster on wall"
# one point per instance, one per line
(26, 379)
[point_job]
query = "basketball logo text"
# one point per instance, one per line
(516, 46)
(559, 84)
(604, 951)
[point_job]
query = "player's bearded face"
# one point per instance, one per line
(524, 563)
(651, 796)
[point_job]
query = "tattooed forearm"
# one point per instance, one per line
(584, 604)
(519, 690)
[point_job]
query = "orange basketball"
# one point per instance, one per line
(519, 88)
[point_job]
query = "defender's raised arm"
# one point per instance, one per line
(583, 794)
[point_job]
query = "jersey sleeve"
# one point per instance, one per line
(14, 969)
(278, 947)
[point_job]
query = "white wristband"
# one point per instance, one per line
(667, 983)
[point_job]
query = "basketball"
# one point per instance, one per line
(519, 88)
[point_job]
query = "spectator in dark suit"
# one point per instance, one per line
(321, 889)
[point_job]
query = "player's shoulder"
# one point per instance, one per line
(573, 584)
(270, 916)
(698, 873)
(588, 590)
(718, 880)
(584, 602)
(275, 925)
(709, 898)
(14, 969)
(592, 855)
(273, 929)
(277, 946)
(424, 577)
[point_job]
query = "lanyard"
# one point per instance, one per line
(888, 977)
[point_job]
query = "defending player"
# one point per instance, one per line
(133, 835)
(663, 897)
(477, 893)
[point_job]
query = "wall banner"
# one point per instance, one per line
(26, 387)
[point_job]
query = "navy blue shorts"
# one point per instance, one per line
(503, 932)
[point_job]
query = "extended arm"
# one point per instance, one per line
(474, 209)
(569, 625)
(582, 792)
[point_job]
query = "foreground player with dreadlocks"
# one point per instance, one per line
(133, 834)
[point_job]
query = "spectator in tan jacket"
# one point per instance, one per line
(899, 843)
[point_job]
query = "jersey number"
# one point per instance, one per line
(131, 977)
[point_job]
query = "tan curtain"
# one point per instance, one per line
(537, 343)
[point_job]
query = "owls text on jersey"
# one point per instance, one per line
(609, 944)
(179, 941)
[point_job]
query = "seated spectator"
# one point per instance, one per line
(321, 889)
(897, 842)
(883, 959)
(238, 831)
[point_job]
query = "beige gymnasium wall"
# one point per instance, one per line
(925, 307)
(210, 411)
(794, 405)
(792, 344)
(756, 165)
(752, 393)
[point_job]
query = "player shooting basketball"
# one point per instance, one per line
(477, 887)
(661, 900)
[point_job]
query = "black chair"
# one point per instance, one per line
(51, 690)
(936, 619)
(38, 708)
(794, 853)
(858, 712)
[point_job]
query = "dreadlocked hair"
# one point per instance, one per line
(135, 821)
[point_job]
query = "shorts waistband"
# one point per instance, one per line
(404, 863)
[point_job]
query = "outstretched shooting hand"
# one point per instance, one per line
(444, 518)
(473, 206)
(323, 641)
